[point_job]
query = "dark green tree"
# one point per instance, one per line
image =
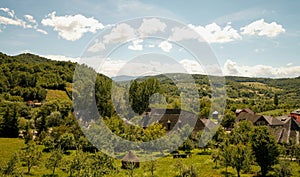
(228, 120)
(276, 100)
(140, 93)
(9, 126)
(265, 149)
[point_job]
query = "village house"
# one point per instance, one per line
(284, 128)
(296, 115)
(175, 119)
(247, 110)
(33, 104)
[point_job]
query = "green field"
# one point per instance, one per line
(166, 166)
(276, 112)
(56, 95)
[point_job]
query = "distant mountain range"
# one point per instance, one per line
(123, 78)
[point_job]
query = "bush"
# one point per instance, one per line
(283, 169)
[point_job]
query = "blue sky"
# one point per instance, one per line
(249, 38)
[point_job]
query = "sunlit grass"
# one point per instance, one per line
(56, 95)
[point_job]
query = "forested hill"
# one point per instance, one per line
(29, 77)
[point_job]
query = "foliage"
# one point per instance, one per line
(186, 171)
(241, 157)
(265, 149)
(54, 160)
(151, 167)
(283, 169)
(10, 168)
(76, 165)
(30, 156)
(139, 94)
(228, 119)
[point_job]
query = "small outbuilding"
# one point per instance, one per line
(130, 159)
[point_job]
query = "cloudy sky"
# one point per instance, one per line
(248, 38)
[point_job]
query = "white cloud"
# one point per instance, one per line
(138, 67)
(120, 33)
(60, 58)
(192, 66)
(151, 26)
(136, 45)
(111, 68)
(34, 24)
(41, 31)
(96, 47)
(10, 21)
(72, 27)
(289, 64)
(233, 68)
(165, 46)
(213, 33)
(230, 68)
(261, 28)
(185, 33)
(11, 13)
(151, 45)
(29, 21)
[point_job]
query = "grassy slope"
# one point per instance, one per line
(8, 146)
(165, 167)
(56, 95)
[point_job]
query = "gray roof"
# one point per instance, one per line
(296, 111)
(247, 116)
(173, 116)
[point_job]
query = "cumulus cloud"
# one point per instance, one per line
(30, 19)
(152, 66)
(185, 33)
(262, 28)
(138, 67)
(120, 33)
(136, 45)
(72, 27)
(11, 13)
(212, 33)
(165, 46)
(235, 69)
(112, 68)
(230, 68)
(11, 19)
(96, 47)
(151, 26)
(60, 58)
(192, 66)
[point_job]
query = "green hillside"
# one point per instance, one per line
(36, 105)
